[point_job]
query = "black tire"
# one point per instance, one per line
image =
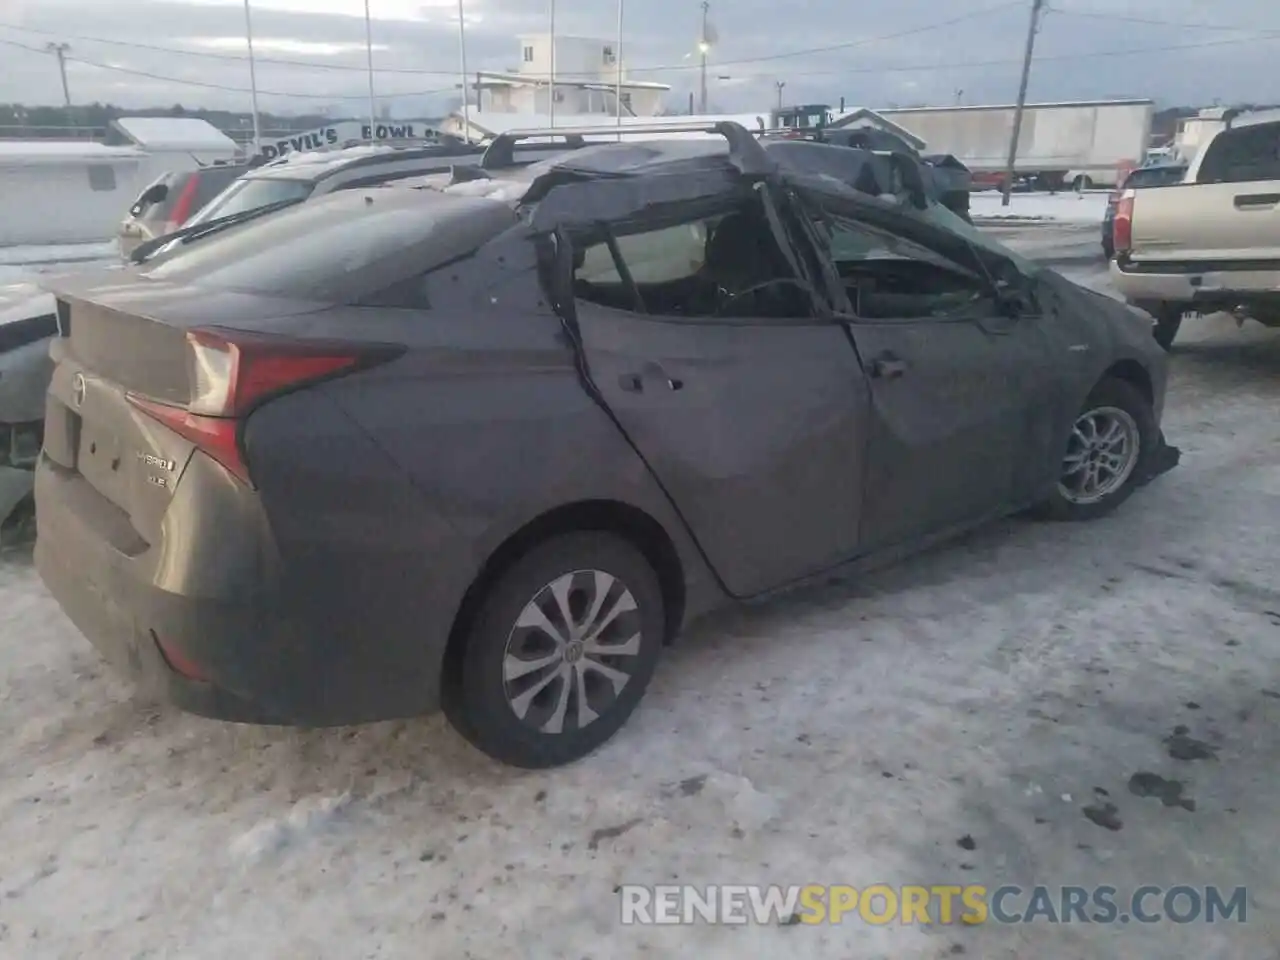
(1081, 183)
(1168, 320)
(1115, 394)
(479, 704)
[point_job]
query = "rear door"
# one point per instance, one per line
(1230, 212)
(754, 425)
(962, 393)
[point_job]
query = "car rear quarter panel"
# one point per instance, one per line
(389, 490)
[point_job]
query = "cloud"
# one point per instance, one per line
(311, 52)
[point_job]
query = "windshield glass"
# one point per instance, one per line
(251, 193)
(941, 216)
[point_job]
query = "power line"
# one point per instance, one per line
(226, 87)
(842, 71)
(1145, 21)
(971, 64)
(660, 68)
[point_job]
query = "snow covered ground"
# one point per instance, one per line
(854, 733)
(21, 263)
(1069, 207)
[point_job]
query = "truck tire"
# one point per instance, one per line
(1081, 183)
(1168, 319)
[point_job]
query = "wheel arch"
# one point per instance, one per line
(1133, 373)
(628, 522)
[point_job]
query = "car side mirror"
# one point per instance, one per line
(1013, 298)
(155, 193)
(149, 197)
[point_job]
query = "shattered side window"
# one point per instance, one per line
(660, 256)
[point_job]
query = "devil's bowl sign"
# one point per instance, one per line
(346, 131)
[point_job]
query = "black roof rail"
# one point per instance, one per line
(501, 151)
(464, 174)
(745, 151)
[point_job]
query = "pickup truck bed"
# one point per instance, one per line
(1212, 242)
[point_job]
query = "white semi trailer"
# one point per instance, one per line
(1081, 144)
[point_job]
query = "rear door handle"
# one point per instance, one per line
(887, 366)
(1255, 200)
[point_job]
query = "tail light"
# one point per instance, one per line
(1122, 225)
(183, 207)
(233, 372)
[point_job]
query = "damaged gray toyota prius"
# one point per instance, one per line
(486, 442)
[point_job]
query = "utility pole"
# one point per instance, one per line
(704, 46)
(59, 50)
(368, 49)
(1037, 7)
(253, 80)
(781, 84)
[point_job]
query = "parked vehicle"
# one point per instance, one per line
(1081, 144)
(171, 200)
(1212, 242)
(1152, 175)
(488, 445)
(946, 179)
(26, 322)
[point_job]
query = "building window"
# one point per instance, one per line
(528, 54)
(102, 178)
(609, 57)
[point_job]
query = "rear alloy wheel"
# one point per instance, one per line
(560, 653)
(1107, 451)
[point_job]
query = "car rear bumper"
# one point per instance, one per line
(215, 635)
(1213, 287)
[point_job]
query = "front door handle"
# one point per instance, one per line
(888, 367)
(1256, 200)
(634, 382)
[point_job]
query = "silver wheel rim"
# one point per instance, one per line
(572, 651)
(1101, 455)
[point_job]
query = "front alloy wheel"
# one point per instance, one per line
(1101, 455)
(559, 652)
(1108, 449)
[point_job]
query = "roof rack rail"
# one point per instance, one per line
(745, 151)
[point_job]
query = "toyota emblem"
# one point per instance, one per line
(78, 390)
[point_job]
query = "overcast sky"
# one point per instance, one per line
(760, 42)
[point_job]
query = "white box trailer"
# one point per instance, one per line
(1081, 143)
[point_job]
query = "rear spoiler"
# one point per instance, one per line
(745, 151)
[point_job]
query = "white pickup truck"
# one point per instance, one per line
(1212, 242)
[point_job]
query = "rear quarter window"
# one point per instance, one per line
(1242, 155)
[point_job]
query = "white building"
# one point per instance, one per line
(586, 81)
(54, 191)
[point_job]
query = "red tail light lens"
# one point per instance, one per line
(1122, 226)
(232, 372)
(183, 207)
